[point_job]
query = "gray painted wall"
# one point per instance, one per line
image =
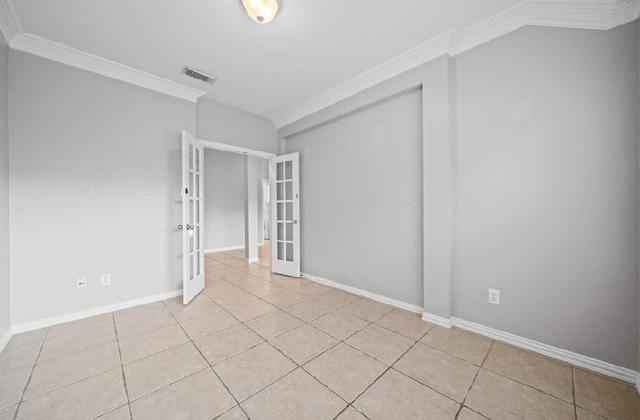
(543, 183)
(226, 124)
(547, 172)
(361, 198)
(4, 189)
(223, 200)
(95, 188)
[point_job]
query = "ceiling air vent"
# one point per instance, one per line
(197, 74)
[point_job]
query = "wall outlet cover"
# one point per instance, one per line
(105, 279)
(494, 296)
(81, 284)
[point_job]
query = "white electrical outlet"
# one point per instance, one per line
(494, 297)
(82, 283)
(105, 279)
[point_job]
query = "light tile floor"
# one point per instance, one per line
(263, 346)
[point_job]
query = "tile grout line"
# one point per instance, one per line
(475, 377)
(124, 378)
(212, 370)
(15, 415)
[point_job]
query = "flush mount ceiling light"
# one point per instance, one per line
(262, 11)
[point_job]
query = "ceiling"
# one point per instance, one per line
(310, 47)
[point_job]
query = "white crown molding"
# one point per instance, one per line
(427, 51)
(383, 299)
(64, 54)
(598, 15)
(10, 24)
(576, 359)
(73, 316)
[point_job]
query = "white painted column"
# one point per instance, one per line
(438, 189)
(251, 183)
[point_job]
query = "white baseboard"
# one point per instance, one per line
(437, 319)
(254, 260)
(398, 304)
(576, 359)
(4, 340)
(609, 369)
(230, 248)
(73, 316)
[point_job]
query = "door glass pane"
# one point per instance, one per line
(289, 190)
(190, 156)
(196, 191)
(280, 213)
(280, 232)
(289, 252)
(197, 156)
(280, 171)
(191, 261)
(190, 185)
(191, 240)
(289, 170)
(279, 188)
(197, 266)
(197, 237)
(280, 255)
(289, 211)
(190, 215)
(289, 232)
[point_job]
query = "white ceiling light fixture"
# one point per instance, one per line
(261, 11)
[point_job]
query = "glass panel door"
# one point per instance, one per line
(192, 212)
(285, 196)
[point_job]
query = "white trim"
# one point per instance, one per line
(231, 248)
(552, 13)
(576, 359)
(73, 316)
(10, 24)
(398, 304)
(254, 260)
(223, 147)
(64, 54)
(4, 340)
(437, 319)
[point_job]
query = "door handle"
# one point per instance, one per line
(179, 227)
(295, 222)
(190, 227)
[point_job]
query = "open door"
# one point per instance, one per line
(192, 211)
(285, 215)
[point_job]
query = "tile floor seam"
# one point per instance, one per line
(212, 370)
(399, 333)
(526, 385)
(450, 354)
(24, 389)
(76, 352)
(573, 391)
(388, 367)
(147, 331)
(82, 330)
(111, 411)
(124, 378)
(475, 377)
(298, 366)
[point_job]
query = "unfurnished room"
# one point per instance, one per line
(319, 209)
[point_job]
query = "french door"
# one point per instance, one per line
(285, 215)
(192, 214)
